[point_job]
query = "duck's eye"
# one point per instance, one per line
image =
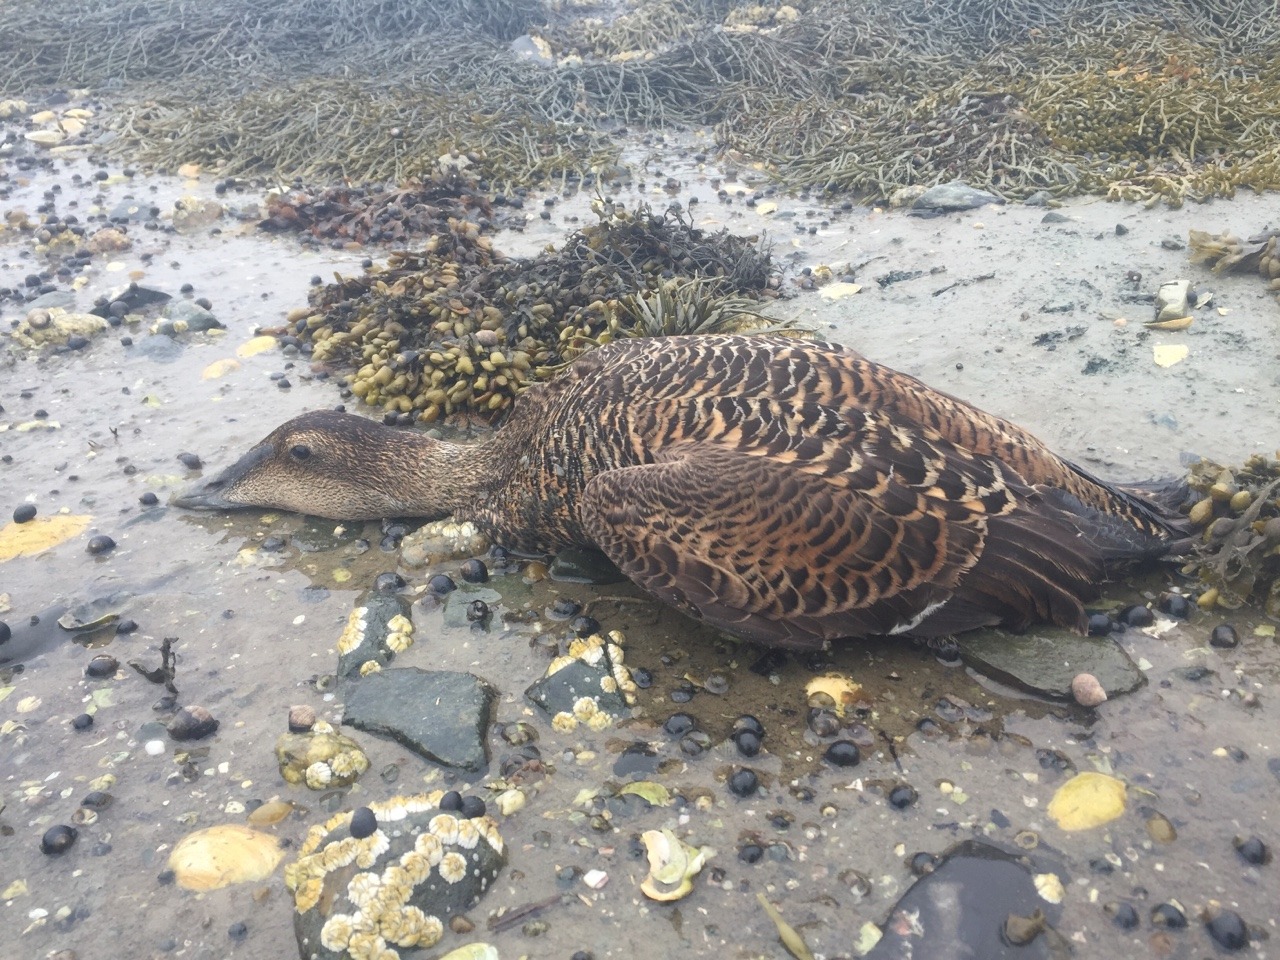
(300, 451)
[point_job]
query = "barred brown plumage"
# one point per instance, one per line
(786, 490)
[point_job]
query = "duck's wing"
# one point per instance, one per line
(815, 525)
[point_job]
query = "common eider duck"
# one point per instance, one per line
(785, 490)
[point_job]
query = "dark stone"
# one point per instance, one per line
(83, 721)
(442, 715)
(744, 782)
(1224, 635)
(58, 839)
(1228, 930)
(1045, 662)
(24, 513)
(363, 823)
(961, 907)
(843, 753)
(583, 565)
(100, 544)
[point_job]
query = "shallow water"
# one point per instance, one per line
(255, 629)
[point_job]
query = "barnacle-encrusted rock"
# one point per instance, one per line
(321, 758)
(591, 684)
(396, 888)
(54, 327)
(377, 629)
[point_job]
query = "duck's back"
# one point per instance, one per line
(791, 491)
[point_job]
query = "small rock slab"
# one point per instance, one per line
(958, 911)
(370, 634)
(186, 315)
(949, 197)
(1045, 663)
(558, 692)
(442, 715)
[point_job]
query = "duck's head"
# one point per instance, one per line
(335, 465)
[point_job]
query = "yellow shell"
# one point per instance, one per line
(222, 855)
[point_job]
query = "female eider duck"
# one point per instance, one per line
(787, 491)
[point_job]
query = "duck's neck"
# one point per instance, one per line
(447, 478)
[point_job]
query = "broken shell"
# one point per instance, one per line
(1177, 323)
(672, 865)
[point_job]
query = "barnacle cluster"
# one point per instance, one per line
(456, 327)
(361, 898)
(1238, 515)
(1227, 253)
(321, 758)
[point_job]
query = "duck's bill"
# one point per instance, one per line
(212, 494)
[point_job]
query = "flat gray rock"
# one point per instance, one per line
(958, 911)
(442, 715)
(956, 195)
(1045, 662)
(66, 299)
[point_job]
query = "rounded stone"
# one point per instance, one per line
(1228, 930)
(363, 823)
(744, 782)
(58, 839)
(102, 666)
(24, 513)
(1224, 635)
(843, 753)
(474, 571)
(100, 544)
(82, 721)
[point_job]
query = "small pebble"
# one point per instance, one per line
(192, 723)
(238, 931)
(148, 499)
(102, 666)
(440, 584)
(1175, 605)
(903, 796)
(1087, 690)
(747, 742)
(82, 721)
(843, 753)
(1224, 635)
(1228, 930)
(100, 544)
(451, 802)
(1252, 850)
(1137, 616)
(363, 823)
(153, 747)
(923, 863)
(1168, 915)
(744, 782)
(474, 571)
(24, 513)
(678, 724)
(58, 839)
(1122, 914)
(750, 853)
(1099, 625)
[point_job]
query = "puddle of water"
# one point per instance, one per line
(255, 628)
